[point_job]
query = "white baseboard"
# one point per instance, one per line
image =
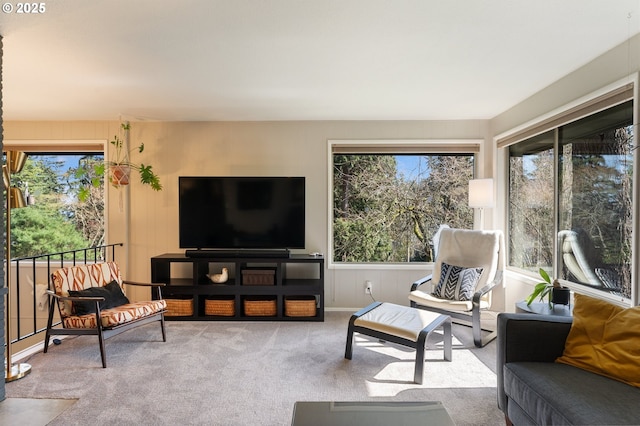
(326, 309)
(27, 352)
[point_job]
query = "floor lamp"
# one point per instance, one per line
(14, 162)
(481, 196)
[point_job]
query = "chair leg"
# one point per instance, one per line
(348, 352)
(349, 347)
(478, 340)
(103, 354)
(46, 341)
(164, 334)
(418, 372)
(445, 324)
(47, 334)
(477, 330)
(447, 336)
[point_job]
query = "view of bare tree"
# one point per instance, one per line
(384, 215)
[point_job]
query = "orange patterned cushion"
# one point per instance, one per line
(82, 277)
(116, 316)
(604, 339)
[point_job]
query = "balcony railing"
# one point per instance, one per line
(31, 277)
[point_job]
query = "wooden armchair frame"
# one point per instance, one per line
(103, 332)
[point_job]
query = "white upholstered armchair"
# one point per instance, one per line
(469, 266)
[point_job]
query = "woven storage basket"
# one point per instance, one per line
(220, 307)
(179, 307)
(259, 276)
(259, 307)
(300, 306)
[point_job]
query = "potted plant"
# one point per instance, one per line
(118, 167)
(552, 289)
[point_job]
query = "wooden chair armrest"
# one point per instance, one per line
(420, 282)
(154, 286)
(76, 298)
(143, 284)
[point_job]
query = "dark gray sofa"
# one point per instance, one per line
(533, 389)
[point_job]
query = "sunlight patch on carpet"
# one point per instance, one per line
(464, 371)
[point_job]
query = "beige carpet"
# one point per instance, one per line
(251, 373)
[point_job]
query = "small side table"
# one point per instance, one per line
(543, 308)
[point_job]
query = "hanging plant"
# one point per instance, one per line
(118, 167)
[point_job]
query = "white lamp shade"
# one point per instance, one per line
(481, 193)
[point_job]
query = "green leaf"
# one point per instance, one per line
(80, 173)
(83, 194)
(147, 176)
(545, 276)
(540, 290)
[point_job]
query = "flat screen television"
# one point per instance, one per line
(225, 212)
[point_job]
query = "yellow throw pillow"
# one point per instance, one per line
(604, 339)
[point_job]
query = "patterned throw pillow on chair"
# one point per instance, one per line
(457, 283)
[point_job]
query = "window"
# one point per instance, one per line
(54, 220)
(531, 201)
(570, 201)
(387, 205)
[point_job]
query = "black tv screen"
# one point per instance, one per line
(241, 212)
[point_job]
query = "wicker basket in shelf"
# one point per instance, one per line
(179, 307)
(220, 307)
(255, 307)
(300, 306)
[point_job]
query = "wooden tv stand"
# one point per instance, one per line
(297, 276)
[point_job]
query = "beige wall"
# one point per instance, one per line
(147, 222)
(620, 63)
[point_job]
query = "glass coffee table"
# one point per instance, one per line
(370, 413)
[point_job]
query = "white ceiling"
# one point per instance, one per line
(297, 59)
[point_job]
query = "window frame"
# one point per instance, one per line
(391, 147)
(605, 98)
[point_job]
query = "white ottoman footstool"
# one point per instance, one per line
(402, 325)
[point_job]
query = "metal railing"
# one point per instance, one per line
(36, 270)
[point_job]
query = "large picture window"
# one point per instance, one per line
(387, 206)
(570, 201)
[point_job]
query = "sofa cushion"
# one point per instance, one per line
(112, 293)
(604, 339)
(117, 316)
(554, 393)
